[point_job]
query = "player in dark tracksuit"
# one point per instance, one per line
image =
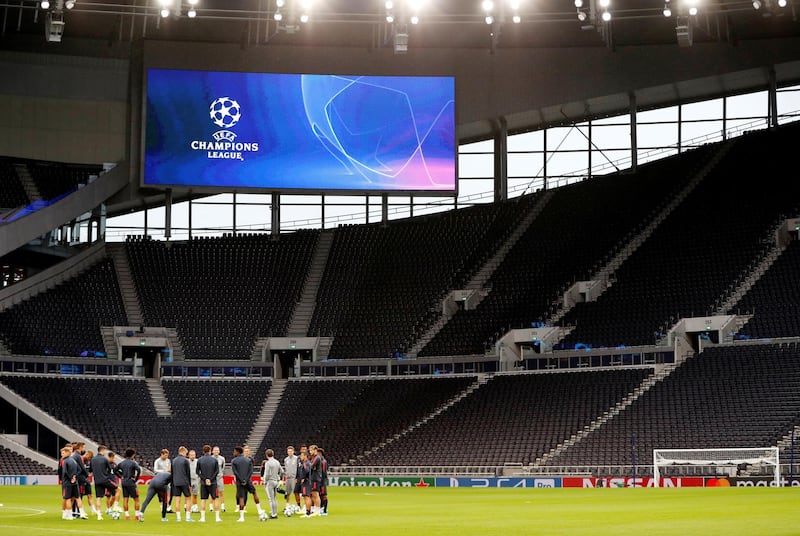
(315, 479)
(69, 477)
(82, 478)
(207, 471)
(158, 486)
(128, 472)
(323, 490)
(103, 487)
(303, 472)
(182, 483)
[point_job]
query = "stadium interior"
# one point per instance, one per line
(570, 327)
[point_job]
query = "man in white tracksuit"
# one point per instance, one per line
(273, 472)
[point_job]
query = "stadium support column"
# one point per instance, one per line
(772, 98)
(634, 142)
(276, 213)
(500, 130)
(385, 209)
(168, 213)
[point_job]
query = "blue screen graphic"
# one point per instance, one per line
(299, 132)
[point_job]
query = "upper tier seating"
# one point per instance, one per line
(54, 179)
(741, 396)
(511, 419)
(221, 293)
(774, 300)
(12, 194)
(66, 320)
(120, 413)
(702, 248)
(347, 417)
(581, 227)
(383, 285)
(12, 463)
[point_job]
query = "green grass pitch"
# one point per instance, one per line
(35, 510)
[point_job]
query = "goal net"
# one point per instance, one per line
(716, 458)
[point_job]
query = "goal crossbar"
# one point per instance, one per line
(716, 457)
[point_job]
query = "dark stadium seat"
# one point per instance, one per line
(221, 293)
(728, 396)
(512, 419)
(120, 413)
(349, 416)
(581, 227)
(13, 463)
(66, 320)
(12, 194)
(699, 252)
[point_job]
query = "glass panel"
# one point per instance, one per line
(528, 141)
(657, 136)
(476, 191)
(300, 199)
(518, 187)
(475, 165)
(737, 127)
(336, 215)
(611, 137)
(486, 146)
(702, 110)
(218, 198)
(698, 133)
(180, 221)
(659, 115)
(789, 104)
(568, 164)
(615, 120)
(567, 138)
(748, 105)
(207, 217)
(300, 217)
(525, 164)
(253, 217)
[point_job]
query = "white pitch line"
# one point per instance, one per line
(80, 531)
(36, 511)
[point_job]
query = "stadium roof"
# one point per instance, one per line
(443, 23)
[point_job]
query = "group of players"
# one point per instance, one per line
(186, 476)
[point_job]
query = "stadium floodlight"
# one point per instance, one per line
(192, 13)
(606, 16)
(579, 3)
(389, 18)
(192, 2)
(693, 11)
(781, 3)
(581, 15)
(304, 18)
(280, 3)
(389, 4)
(715, 459)
(489, 19)
(605, 3)
(414, 19)
(306, 4)
(69, 4)
(516, 19)
(278, 16)
(667, 11)
(164, 13)
(756, 4)
(487, 5)
(513, 4)
(45, 4)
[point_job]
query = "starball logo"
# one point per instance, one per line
(225, 113)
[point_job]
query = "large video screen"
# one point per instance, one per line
(287, 132)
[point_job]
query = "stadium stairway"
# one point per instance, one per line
(130, 297)
(158, 397)
(304, 309)
(25, 178)
(483, 273)
(3, 350)
(480, 381)
(612, 412)
(605, 273)
(751, 276)
(264, 419)
(109, 342)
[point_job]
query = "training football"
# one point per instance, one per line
(34, 510)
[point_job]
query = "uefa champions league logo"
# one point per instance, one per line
(224, 112)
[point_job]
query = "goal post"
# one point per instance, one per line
(767, 456)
